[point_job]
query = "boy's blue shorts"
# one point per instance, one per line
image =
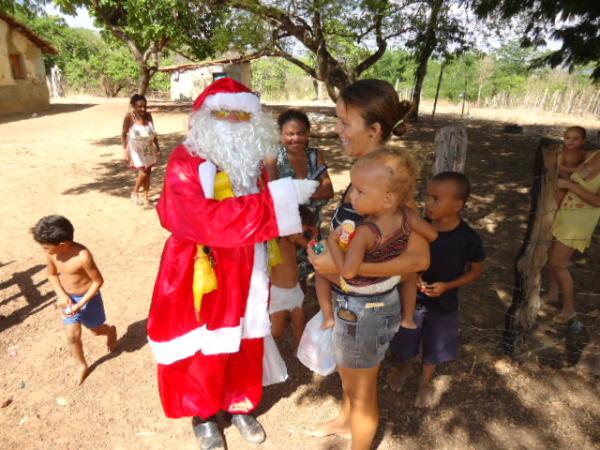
(436, 332)
(92, 315)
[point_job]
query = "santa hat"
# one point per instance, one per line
(226, 94)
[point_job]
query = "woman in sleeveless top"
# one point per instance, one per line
(140, 146)
(573, 228)
(297, 160)
(368, 112)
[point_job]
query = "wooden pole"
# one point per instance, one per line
(437, 89)
(533, 254)
(462, 113)
(450, 149)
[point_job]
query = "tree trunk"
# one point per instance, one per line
(451, 144)
(145, 77)
(437, 89)
(430, 42)
(533, 255)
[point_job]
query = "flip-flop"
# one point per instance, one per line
(135, 198)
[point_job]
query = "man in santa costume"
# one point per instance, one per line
(209, 309)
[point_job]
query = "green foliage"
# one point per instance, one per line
(395, 66)
(88, 62)
(71, 43)
(574, 22)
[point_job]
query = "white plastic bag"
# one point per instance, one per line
(316, 347)
(274, 368)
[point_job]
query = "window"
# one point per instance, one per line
(16, 65)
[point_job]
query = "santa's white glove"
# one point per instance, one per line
(304, 189)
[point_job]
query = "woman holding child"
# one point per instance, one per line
(369, 112)
(578, 213)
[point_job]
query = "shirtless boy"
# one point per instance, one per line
(76, 281)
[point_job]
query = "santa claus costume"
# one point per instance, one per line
(210, 354)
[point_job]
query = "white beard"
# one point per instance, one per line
(237, 148)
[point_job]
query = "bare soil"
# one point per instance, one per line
(67, 160)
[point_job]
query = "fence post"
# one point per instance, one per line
(533, 254)
(450, 149)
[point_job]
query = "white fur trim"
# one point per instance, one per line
(256, 321)
(283, 194)
(223, 340)
(207, 172)
(241, 101)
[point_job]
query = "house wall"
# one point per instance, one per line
(187, 85)
(22, 95)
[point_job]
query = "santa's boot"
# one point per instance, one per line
(249, 428)
(207, 433)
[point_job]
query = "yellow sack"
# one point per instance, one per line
(205, 278)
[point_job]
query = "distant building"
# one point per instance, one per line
(22, 74)
(189, 80)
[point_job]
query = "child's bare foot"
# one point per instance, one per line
(82, 373)
(424, 397)
(336, 427)
(111, 338)
(408, 324)
(396, 378)
(327, 323)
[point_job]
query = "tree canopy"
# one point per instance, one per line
(575, 23)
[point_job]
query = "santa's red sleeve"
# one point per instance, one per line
(190, 215)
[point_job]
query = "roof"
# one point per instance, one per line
(44, 45)
(192, 66)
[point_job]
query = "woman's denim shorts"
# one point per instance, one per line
(362, 343)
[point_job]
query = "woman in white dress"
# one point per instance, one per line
(140, 146)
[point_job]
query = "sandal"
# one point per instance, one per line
(135, 198)
(563, 320)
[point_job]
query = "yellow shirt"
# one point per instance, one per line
(576, 220)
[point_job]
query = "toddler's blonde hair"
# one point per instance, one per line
(399, 167)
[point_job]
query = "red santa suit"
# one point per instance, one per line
(215, 362)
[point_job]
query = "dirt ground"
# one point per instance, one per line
(67, 160)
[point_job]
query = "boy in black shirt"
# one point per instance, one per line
(456, 260)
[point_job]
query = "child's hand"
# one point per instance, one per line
(335, 234)
(563, 184)
(63, 301)
(408, 324)
(434, 289)
(297, 239)
(327, 323)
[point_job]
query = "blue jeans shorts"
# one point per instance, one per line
(92, 315)
(364, 328)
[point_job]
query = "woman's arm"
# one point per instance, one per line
(127, 122)
(325, 189)
(348, 263)
(270, 163)
(150, 119)
(414, 259)
(586, 196)
(125, 130)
